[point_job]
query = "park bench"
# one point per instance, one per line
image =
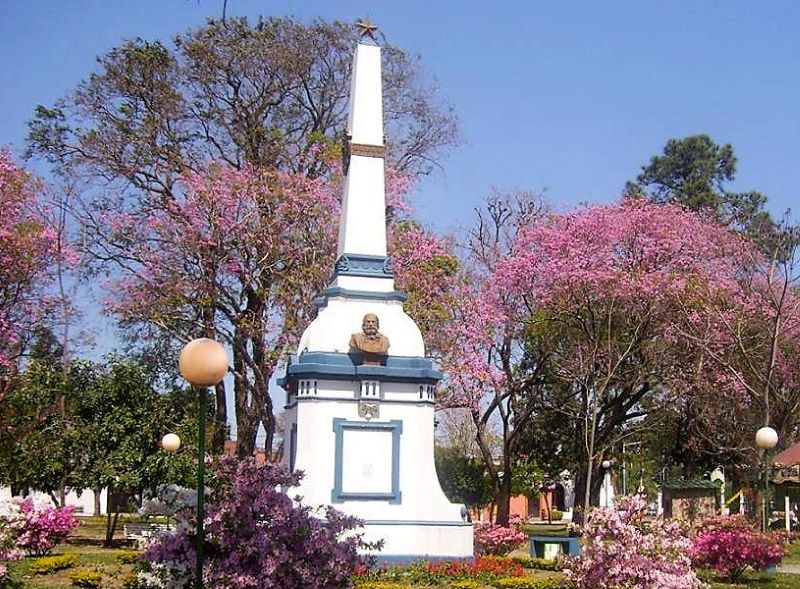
(141, 532)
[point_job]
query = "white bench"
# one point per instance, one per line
(141, 532)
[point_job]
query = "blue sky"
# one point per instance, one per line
(571, 97)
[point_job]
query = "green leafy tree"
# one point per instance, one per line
(261, 98)
(694, 172)
(119, 423)
(37, 449)
(463, 478)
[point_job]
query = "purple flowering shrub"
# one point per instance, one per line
(729, 545)
(622, 548)
(496, 540)
(256, 536)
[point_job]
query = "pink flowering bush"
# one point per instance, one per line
(496, 540)
(33, 526)
(729, 545)
(256, 537)
(622, 548)
(45, 526)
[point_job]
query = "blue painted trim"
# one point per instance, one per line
(369, 295)
(354, 400)
(292, 446)
(394, 426)
(363, 265)
(568, 544)
(397, 522)
(394, 559)
(340, 366)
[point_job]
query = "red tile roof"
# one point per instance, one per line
(790, 456)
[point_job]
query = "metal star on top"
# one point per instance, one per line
(366, 28)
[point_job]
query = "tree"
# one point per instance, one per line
(481, 355)
(159, 130)
(602, 287)
(693, 172)
(29, 249)
(118, 424)
(463, 478)
(262, 94)
(749, 342)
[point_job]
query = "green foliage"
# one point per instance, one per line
(130, 557)
(529, 583)
(463, 479)
(526, 478)
(130, 581)
(86, 578)
(51, 564)
(693, 171)
(466, 584)
(379, 585)
(542, 564)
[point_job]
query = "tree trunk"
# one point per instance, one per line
(97, 491)
(111, 525)
(580, 495)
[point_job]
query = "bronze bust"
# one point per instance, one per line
(370, 341)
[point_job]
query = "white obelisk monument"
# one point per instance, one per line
(360, 392)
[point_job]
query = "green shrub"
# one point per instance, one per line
(465, 585)
(130, 581)
(50, 564)
(556, 515)
(86, 578)
(542, 564)
(528, 583)
(130, 557)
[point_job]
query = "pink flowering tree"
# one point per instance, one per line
(749, 341)
(478, 350)
(238, 255)
(621, 547)
(569, 317)
(30, 250)
(257, 536)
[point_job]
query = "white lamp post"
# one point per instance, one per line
(203, 362)
(766, 440)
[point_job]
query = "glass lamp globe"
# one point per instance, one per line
(606, 464)
(203, 362)
(171, 442)
(766, 438)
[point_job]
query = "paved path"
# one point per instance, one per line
(789, 568)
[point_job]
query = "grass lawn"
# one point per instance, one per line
(96, 558)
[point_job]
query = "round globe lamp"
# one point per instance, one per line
(606, 464)
(171, 443)
(203, 362)
(766, 438)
